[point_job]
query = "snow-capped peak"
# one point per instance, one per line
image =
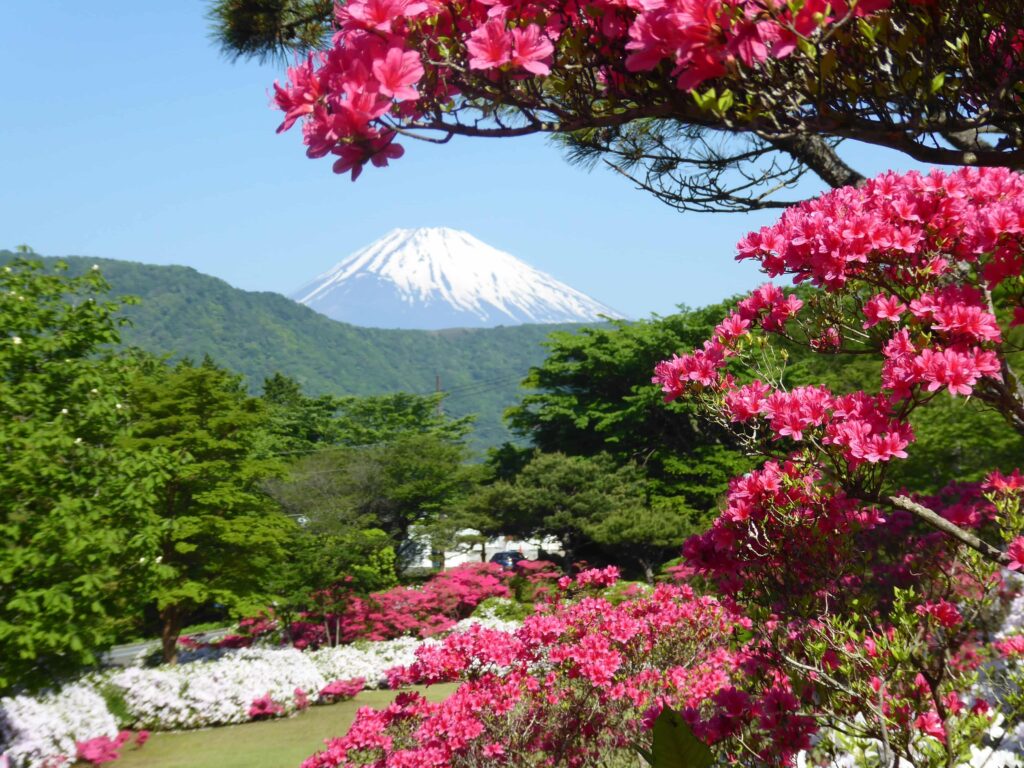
(436, 277)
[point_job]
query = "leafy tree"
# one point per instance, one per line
(411, 481)
(592, 395)
(721, 106)
(220, 534)
(575, 499)
(376, 419)
(296, 423)
(77, 529)
(360, 560)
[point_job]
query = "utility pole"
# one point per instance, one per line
(437, 389)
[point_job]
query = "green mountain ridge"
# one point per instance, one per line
(190, 314)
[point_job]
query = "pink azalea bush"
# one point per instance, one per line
(579, 680)
(340, 690)
(340, 615)
(840, 571)
(104, 749)
(264, 707)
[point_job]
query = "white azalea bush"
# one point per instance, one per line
(40, 732)
(214, 692)
(216, 688)
(367, 660)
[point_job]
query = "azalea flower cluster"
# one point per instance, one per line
(103, 749)
(341, 616)
(926, 260)
(584, 678)
(45, 731)
(393, 63)
(919, 270)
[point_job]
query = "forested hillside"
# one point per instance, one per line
(190, 314)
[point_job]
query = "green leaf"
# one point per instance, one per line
(675, 745)
(937, 82)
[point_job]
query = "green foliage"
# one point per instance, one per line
(417, 479)
(270, 29)
(193, 315)
(571, 498)
(363, 560)
(297, 423)
(593, 395)
(376, 419)
(77, 533)
(221, 536)
(503, 608)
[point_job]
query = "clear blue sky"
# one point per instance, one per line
(124, 133)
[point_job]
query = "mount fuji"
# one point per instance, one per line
(434, 277)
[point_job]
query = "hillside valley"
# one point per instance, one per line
(190, 314)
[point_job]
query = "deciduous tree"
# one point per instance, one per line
(78, 533)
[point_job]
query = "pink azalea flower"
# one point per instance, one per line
(397, 72)
(490, 46)
(531, 50)
(944, 612)
(882, 307)
(1016, 553)
(931, 724)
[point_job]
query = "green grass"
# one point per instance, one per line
(270, 744)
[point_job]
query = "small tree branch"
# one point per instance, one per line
(940, 523)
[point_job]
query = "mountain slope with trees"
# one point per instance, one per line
(257, 334)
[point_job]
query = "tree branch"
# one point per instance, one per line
(820, 157)
(940, 523)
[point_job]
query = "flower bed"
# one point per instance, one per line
(45, 731)
(217, 688)
(214, 692)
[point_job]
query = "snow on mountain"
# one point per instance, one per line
(435, 277)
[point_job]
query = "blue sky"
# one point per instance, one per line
(126, 134)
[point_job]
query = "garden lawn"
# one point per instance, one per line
(281, 743)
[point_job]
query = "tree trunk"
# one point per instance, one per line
(648, 571)
(816, 154)
(569, 556)
(172, 619)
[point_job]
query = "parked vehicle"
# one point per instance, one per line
(507, 560)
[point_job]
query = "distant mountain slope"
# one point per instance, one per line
(192, 314)
(436, 277)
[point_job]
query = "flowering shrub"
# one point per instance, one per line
(339, 690)
(423, 611)
(46, 730)
(576, 682)
(339, 615)
(863, 592)
(369, 661)
(265, 707)
(104, 749)
(217, 692)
